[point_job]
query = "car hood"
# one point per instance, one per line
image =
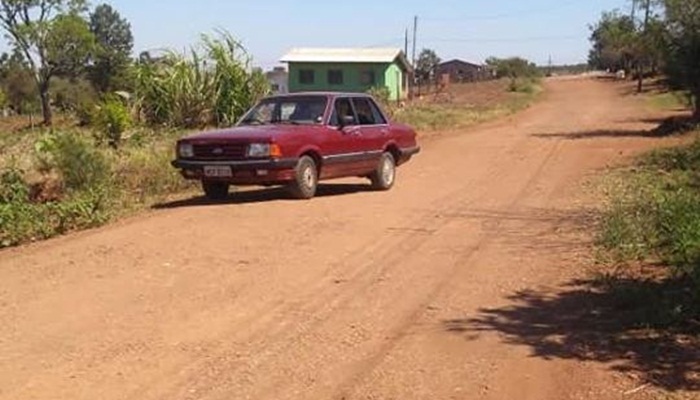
(263, 133)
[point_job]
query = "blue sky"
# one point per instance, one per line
(467, 29)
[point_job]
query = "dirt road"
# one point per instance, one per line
(353, 295)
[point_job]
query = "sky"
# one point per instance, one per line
(471, 30)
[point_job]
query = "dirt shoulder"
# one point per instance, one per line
(459, 284)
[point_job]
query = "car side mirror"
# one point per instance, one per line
(347, 120)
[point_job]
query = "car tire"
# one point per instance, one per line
(305, 179)
(384, 176)
(215, 190)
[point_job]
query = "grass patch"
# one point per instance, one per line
(654, 218)
(453, 115)
(670, 100)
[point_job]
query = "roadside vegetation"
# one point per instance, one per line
(88, 134)
(514, 85)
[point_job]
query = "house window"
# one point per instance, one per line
(307, 77)
(367, 77)
(335, 77)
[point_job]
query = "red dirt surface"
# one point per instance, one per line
(456, 285)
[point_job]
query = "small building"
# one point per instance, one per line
(279, 80)
(348, 70)
(461, 71)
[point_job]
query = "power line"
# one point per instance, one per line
(511, 14)
(504, 40)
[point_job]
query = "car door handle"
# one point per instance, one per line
(353, 132)
(384, 131)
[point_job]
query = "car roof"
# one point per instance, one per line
(325, 94)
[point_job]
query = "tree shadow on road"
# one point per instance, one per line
(676, 125)
(264, 195)
(638, 327)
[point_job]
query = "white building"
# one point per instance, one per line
(279, 80)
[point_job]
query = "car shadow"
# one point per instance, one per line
(637, 327)
(264, 195)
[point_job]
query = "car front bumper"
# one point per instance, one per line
(254, 172)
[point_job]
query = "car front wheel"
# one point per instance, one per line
(384, 176)
(215, 190)
(305, 179)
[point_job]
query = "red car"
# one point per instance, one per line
(296, 140)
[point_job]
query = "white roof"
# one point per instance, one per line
(346, 55)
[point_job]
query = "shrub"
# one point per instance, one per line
(13, 188)
(79, 163)
(113, 119)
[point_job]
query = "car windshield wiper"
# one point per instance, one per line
(287, 122)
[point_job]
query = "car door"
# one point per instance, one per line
(343, 146)
(374, 131)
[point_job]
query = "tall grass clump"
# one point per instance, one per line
(212, 84)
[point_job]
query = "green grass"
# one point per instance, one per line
(670, 100)
(440, 116)
(654, 217)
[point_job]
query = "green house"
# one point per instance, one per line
(348, 70)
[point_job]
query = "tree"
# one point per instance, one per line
(513, 68)
(18, 83)
(427, 64)
(53, 38)
(614, 42)
(115, 43)
(683, 65)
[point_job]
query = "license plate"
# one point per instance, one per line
(215, 171)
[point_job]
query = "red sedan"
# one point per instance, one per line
(297, 140)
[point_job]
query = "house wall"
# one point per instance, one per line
(395, 82)
(384, 75)
(462, 72)
(278, 80)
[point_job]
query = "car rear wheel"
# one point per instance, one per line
(384, 176)
(305, 179)
(215, 190)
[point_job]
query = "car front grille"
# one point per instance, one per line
(220, 151)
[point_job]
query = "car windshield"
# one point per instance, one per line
(294, 110)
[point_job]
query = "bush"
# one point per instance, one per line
(78, 162)
(524, 85)
(113, 119)
(13, 188)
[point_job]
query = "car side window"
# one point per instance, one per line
(363, 107)
(378, 116)
(342, 109)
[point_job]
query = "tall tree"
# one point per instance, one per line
(683, 66)
(426, 66)
(53, 38)
(614, 40)
(115, 43)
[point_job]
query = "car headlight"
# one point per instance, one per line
(185, 150)
(259, 150)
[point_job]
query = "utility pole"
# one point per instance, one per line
(405, 48)
(413, 58)
(415, 39)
